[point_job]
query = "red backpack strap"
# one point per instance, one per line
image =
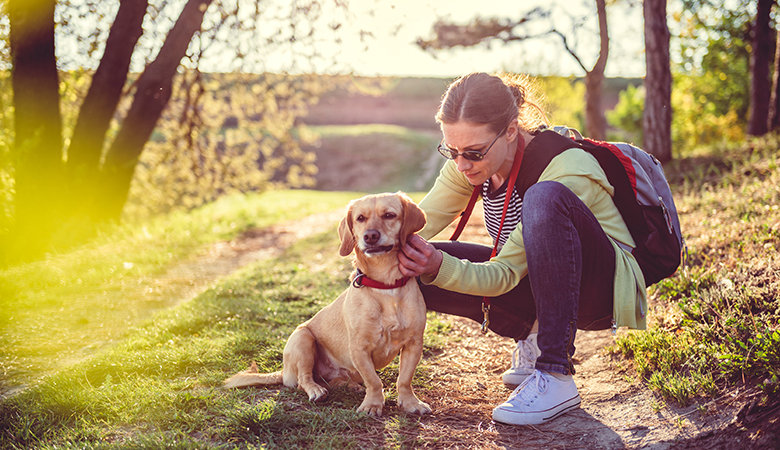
(519, 153)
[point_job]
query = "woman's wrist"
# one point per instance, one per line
(436, 262)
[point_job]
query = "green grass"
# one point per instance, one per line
(716, 325)
(68, 306)
(160, 386)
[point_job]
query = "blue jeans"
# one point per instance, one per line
(571, 269)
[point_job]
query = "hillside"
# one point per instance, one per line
(407, 102)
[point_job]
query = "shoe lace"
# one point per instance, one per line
(524, 355)
(529, 389)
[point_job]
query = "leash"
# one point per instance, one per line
(519, 152)
(362, 280)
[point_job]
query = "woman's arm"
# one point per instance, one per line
(446, 200)
(577, 170)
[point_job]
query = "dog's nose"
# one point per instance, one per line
(371, 237)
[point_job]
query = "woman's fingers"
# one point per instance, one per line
(418, 257)
(407, 267)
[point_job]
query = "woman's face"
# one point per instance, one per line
(463, 136)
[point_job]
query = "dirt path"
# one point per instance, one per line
(618, 411)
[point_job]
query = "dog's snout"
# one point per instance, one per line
(371, 236)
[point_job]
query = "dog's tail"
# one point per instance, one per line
(251, 377)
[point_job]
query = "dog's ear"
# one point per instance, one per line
(414, 217)
(345, 234)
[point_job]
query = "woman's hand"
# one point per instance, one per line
(418, 257)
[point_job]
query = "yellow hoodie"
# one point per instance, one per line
(575, 169)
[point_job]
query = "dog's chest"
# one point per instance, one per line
(394, 325)
(393, 319)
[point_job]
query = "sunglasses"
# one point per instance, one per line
(469, 155)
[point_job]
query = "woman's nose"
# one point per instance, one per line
(463, 164)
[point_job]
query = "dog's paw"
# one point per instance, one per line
(415, 406)
(371, 408)
(316, 393)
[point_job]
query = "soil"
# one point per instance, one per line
(618, 410)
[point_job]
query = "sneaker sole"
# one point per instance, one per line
(535, 418)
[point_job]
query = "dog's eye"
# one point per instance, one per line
(390, 215)
(361, 218)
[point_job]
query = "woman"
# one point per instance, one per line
(564, 261)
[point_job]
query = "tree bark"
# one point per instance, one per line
(38, 126)
(153, 90)
(657, 117)
(759, 69)
(101, 101)
(773, 123)
(595, 122)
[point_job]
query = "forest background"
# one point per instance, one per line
(141, 129)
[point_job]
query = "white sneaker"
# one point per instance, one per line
(523, 361)
(541, 398)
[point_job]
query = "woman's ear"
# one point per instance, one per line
(511, 131)
(413, 220)
(345, 234)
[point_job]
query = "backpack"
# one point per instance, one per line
(642, 195)
(644, 199)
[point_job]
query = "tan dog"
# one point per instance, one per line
(365, 327)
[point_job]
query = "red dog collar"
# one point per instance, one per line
(362, 280)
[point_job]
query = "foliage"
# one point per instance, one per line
(564, 101)
(696, 121)
(238, 136)
(711, 92)
(711, 88)
(195, 157)
(627, 115)
(717, 322)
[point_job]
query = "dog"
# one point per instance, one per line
(381, 314)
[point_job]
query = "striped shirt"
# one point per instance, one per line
(493, 205)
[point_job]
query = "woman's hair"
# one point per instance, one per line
(492, 99)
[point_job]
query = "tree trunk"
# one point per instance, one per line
(595, 122)
(38, 125)
(657, 117)
(773, 123)
(101, 102)
(153, 90)
(759, 69)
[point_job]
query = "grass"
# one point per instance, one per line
(160, 386)
(69, 306)
(716, 325)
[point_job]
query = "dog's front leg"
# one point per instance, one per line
(374, 399)
(410, 356)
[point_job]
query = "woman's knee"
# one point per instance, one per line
(544, 200)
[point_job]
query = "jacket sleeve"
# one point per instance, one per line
(445, 201)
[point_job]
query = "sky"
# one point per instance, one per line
(396, 24)
(393, 27)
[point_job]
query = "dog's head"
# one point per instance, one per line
(378, 224)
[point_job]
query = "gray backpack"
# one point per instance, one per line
(644, 199)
